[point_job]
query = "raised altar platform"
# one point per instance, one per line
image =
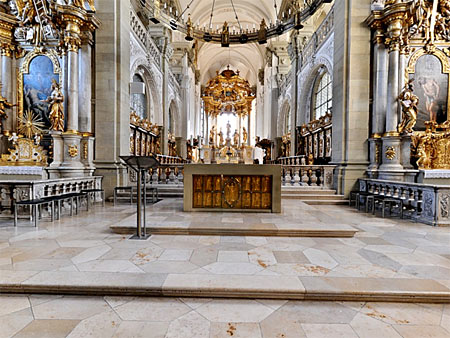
(232, 187)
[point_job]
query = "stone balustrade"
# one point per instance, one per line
(427, 203)
(291, 160)
(307, 175)
(167, 174)
(22, 190)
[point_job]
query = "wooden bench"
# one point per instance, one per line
(55, 204)
(91, 192)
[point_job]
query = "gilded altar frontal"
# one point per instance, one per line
(225, 168)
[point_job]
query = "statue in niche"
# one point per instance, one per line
(228, 130)
(3, 105)
(409, 102)
(225, 36)
(212, 135)
(221, 140)
(56, 110)
(244, 135)
(236, 137)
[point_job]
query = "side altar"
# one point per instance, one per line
(232, 187)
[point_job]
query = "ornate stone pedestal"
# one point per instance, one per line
(72, 166)
(58, 149)
(391, 168)
(87, 153)
(375, 144)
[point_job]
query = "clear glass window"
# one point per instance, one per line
(323, 96)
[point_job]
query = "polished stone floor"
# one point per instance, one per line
(76, 316)
(381, 249)
(386, 257)
(296, 219)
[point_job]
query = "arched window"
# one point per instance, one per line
(139, 100)
(287, 120)
(322, 95)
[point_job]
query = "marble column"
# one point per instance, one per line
(72, 91)
(393, 91)
(391, 167)
(72, 166)
(85, 104)
(380, 85)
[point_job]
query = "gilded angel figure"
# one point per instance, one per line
(56, 109)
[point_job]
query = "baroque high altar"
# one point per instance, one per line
(410, 124)
(45, 103)
(228, 97)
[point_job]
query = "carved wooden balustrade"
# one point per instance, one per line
(314, 139)
(427, 203)
(307, 175)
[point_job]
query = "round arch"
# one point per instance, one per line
(154, 105)
(307, 88)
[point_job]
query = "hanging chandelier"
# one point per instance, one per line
(300, 10)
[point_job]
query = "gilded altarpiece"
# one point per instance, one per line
(430, 72)
(232, 192)
(35, 77)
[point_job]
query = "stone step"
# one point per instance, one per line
(357, 289)
(312, 197)
(304, 191)
(326, 202)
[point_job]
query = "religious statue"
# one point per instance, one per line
(228, 130)
(55, 100)
(424, 161)
(189, 30)
(212, 135)
(262, 33)
(236, 137)
(225, 36)
(244, 135)
(3, 105)
(409, 102)
(221, 141)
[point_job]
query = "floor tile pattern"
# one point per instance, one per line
(76, 316)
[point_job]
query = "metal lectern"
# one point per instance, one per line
(140, 164)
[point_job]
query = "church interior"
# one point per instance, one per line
(225, 168)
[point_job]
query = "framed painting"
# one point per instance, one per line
(431, 84)
(35, 83)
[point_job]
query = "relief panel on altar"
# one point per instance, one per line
(232, 192)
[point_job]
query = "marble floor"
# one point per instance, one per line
(77, 316)
(168, 218)
(387, 256)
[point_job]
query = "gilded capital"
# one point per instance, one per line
(7, 49)
(72, 34)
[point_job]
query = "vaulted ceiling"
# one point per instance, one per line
(248, 58)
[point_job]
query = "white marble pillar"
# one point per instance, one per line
(85, 89)
(72, 91)
(393, 91)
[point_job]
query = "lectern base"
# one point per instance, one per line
(142, 238)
